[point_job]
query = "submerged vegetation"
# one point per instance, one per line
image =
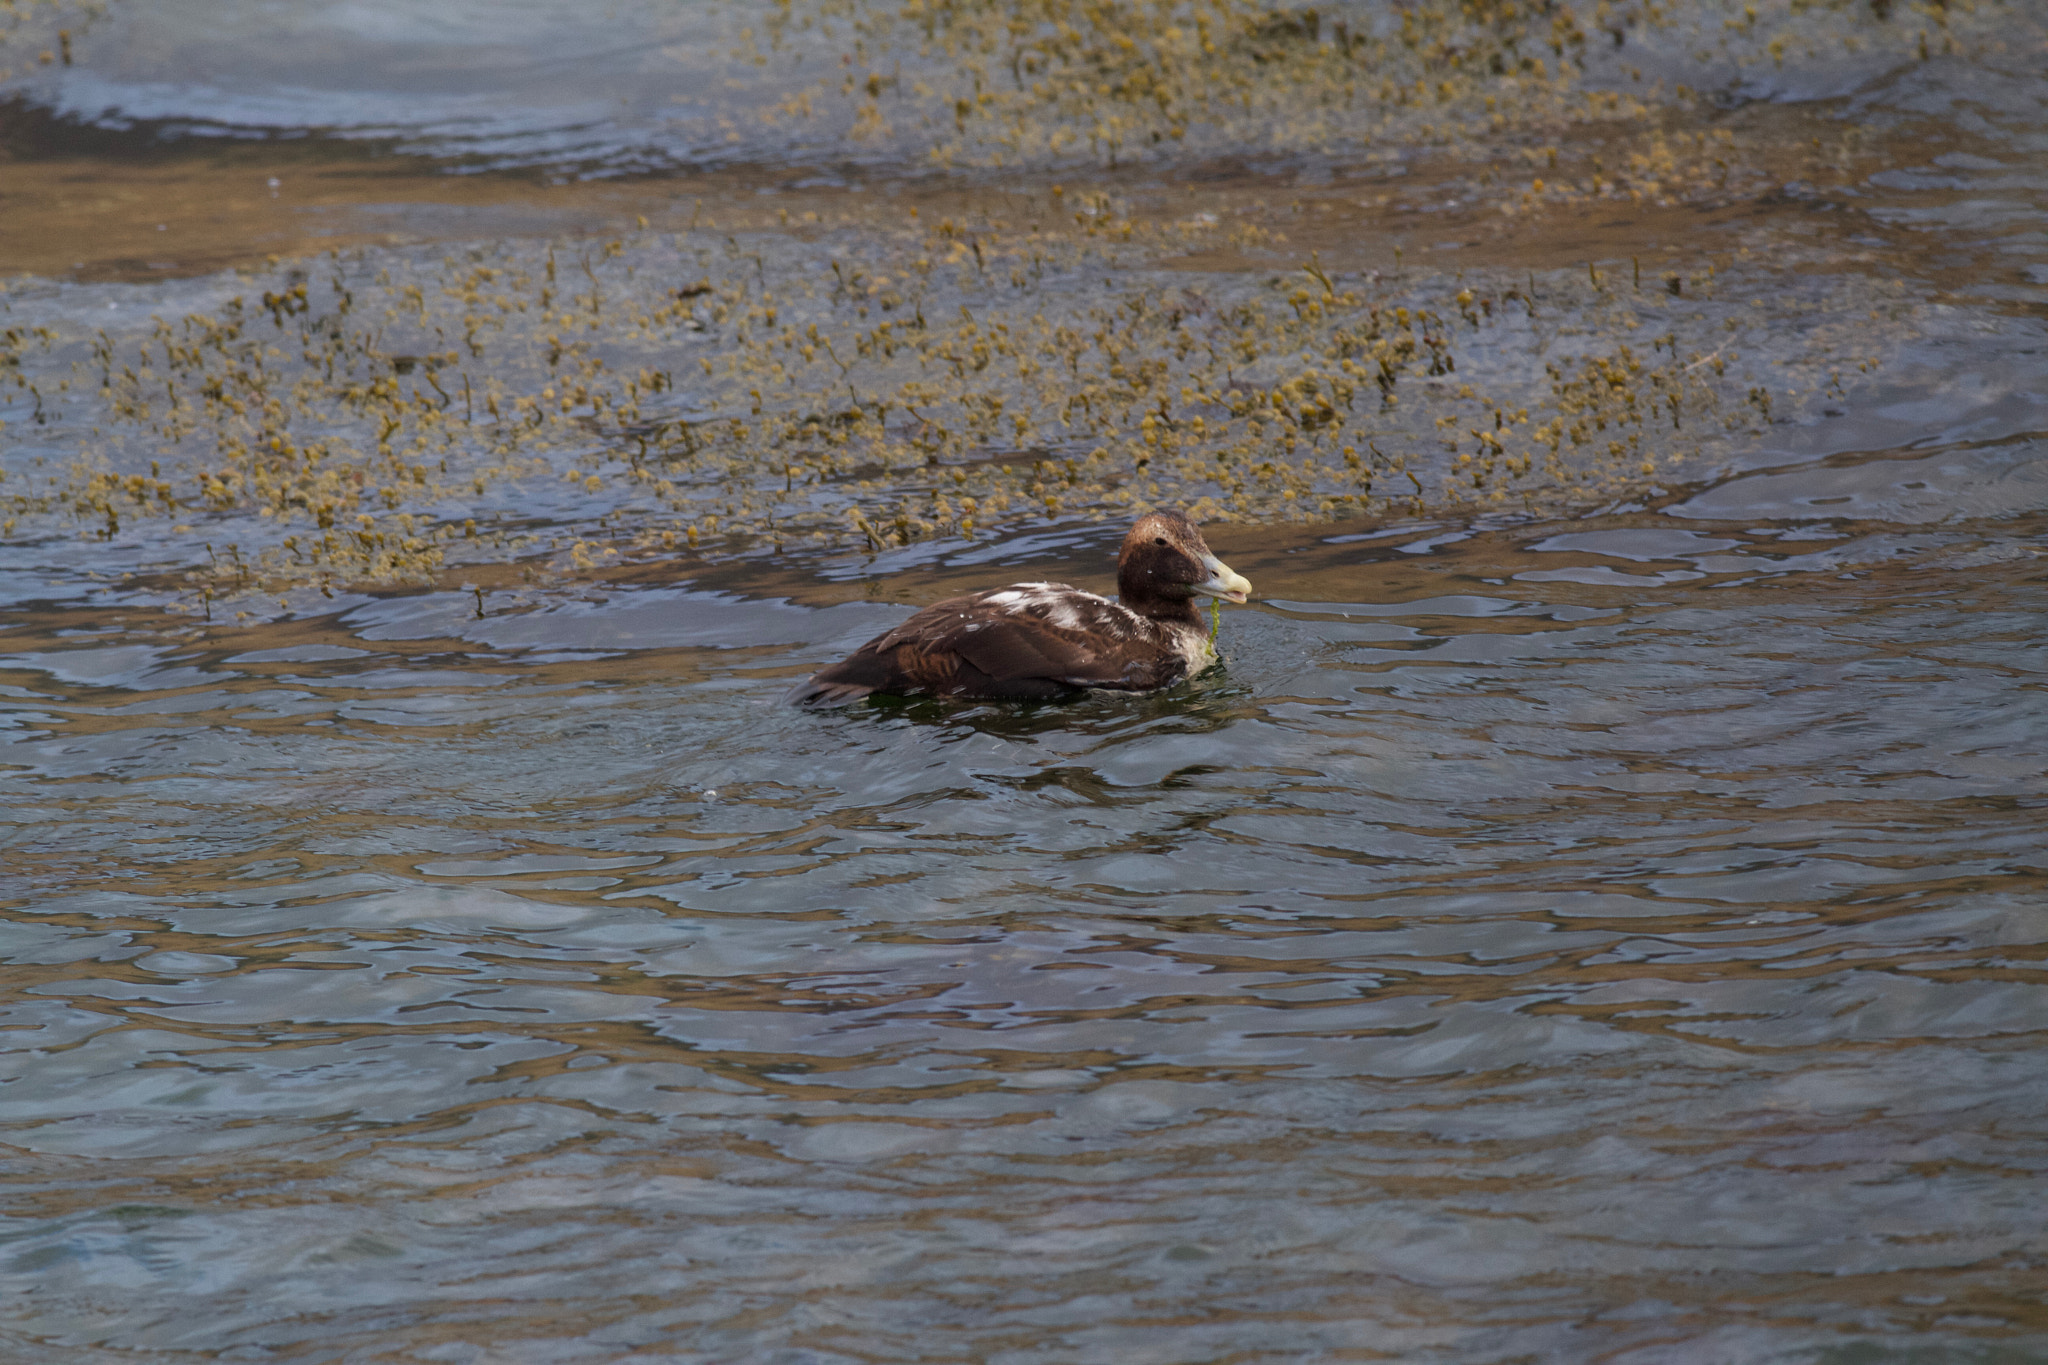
(1009, 82)
(866, 382)
(379, 412)
(37, 33)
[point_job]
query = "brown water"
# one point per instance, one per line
(1553, 935)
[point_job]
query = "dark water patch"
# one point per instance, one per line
(1958, 482)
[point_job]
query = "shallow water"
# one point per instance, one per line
(1605, 934)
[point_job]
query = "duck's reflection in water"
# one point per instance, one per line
(1199, 706)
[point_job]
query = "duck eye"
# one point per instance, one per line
(1159, 540)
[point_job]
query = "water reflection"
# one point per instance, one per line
(1460, 973)
(1199, 706)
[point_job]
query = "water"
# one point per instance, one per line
(1474, 970)
(1556, 933)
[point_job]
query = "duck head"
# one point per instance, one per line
(1165, 565)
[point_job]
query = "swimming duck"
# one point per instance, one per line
(1037, 641)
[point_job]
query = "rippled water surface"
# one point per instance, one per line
(1608, 934)
(1581, 964)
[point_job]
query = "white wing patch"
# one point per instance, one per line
(1118, 623)
(1068, 608)
(1060, 606)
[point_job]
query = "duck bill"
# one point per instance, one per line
(1223, 581)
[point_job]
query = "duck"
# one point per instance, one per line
(1045, 641)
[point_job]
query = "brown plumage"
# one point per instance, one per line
(1036, 641)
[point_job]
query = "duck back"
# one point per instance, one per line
(1027, 642)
